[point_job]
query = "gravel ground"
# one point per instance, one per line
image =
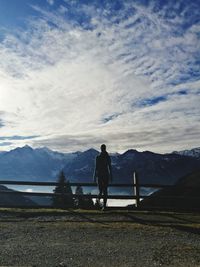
(99, 239)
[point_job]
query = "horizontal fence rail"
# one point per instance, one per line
(92, 184)
(55, 184)
(58, 194)
(135, 186)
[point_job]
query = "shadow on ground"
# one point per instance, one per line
(187, 222)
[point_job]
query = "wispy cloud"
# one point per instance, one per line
(50, 2)
(17, 137)
(5, 144)
(85, 74)
(1, 123)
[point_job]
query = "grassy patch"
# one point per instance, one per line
(181, 221)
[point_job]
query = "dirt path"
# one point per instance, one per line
(99, 239)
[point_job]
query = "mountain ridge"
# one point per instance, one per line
(194, 152)
(37, 164)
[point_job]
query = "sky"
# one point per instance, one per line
(76, 74)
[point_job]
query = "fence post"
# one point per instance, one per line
(136, 189)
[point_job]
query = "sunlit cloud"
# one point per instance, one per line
(83, 74)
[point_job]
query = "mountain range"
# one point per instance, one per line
(195, 152)
(43, 164)
(30, 164)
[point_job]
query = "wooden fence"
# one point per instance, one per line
(135, 186)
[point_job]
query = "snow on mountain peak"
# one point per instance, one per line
(195, 152)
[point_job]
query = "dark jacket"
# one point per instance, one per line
(103, 167)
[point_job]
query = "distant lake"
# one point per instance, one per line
(93, 190)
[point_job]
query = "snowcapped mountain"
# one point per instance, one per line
(43, 164)
(27, 163)
(82, 167)
(56, 155)
(195, 152)
(151, 167)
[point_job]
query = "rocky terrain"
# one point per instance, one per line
(113, 238)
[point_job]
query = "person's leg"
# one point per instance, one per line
(100, 186)
(100, 193)
(105, 191)
(105, 196)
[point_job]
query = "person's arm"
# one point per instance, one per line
(110, 169)
(95, 172)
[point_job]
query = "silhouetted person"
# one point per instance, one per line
(103, 174)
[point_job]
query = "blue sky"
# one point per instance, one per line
(75, 74)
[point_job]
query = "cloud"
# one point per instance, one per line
(50, 2)
(111, 73)
(5, 143)
(1, 123)
(16, 137)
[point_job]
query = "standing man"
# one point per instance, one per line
(103, 174)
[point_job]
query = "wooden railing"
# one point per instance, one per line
(135, 185)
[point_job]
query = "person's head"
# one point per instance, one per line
(103, 148)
